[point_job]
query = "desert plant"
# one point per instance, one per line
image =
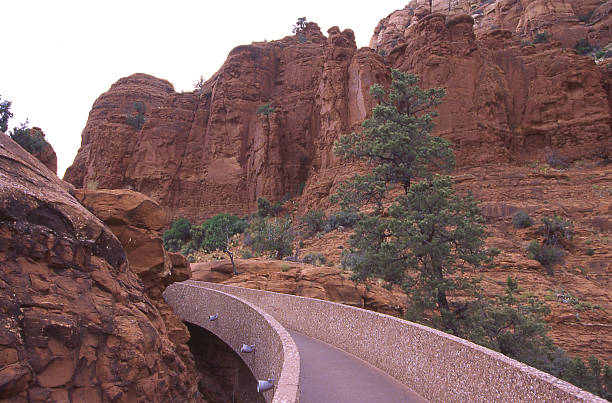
(274, 236)
(341, 218)
(199, 84)
(137, 121)
(314, 258)
(267, 209)
(215, 234)
(583, 47)
(5, 114)
(313, 221)
(590, 251)
(32, 140)
(178, 234)
(547, 255)
(541, 37)
(521, 220)
(92, 185)
(556, 160)
(265, 109)
(556, 231)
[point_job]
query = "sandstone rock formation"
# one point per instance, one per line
(566, 21)
(75, 321)
(47, 154)
(209, 151)
(305, 280)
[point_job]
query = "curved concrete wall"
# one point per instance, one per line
(276, 355)
(436, 365)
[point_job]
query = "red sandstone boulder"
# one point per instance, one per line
(75, 322)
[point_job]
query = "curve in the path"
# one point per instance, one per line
(436, 365)
(328, 374)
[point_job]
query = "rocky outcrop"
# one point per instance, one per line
(76, 323)
(505, 102)
(327, 283)
(47, 154)
(136, 221)
(566, 21)
(211, 148)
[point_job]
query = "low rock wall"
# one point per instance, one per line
(240, 322)
(436, 365)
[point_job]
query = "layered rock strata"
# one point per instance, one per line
(76, 323)
(265, 124)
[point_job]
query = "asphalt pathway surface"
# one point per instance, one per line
(328, 374)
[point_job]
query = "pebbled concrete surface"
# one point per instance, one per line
(328, 374)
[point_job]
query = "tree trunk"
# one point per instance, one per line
(231, 255)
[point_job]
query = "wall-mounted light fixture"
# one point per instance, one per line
(262, 386)
(213, 317)
(247, 349)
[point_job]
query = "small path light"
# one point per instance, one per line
(213, 317)
(262, 386)
(247, 349)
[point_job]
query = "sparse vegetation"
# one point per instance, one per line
(314, 258)
(313, 221)
(541, 37)
(178, 234)
(547, 255)
(521, 220)
(267, 209)
(274, 236)
(92, 185)
(590, 251)
(556, 160)
(265, 109)
(199, 84)
(5, 114)
(137, 120)
(583, 47)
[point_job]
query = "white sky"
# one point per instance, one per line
(60, 55)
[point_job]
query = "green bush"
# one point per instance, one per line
(556, 230)
(583, 47)
(215, 233)
(590, 252)
(178, 234)
(32, 140)
(541, 37)
(267, 209)
(547, 255)
(341, 218)
(137, 121)
(265, 110)
(5, 114)
(274, 236)
(522, 220)
(313, 221)
(314, 258)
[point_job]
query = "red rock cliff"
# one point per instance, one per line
(76, 324)
(210, 151)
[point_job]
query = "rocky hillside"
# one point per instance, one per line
(210, 151)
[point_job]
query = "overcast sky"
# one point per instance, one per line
(59, 56)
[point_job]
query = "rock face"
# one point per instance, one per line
(75, 322)
(47, 154)
(210, 151)
(211, 148)
(305, 280)
(505, 102)
(566, 21)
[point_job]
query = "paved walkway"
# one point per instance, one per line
(328, 374)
